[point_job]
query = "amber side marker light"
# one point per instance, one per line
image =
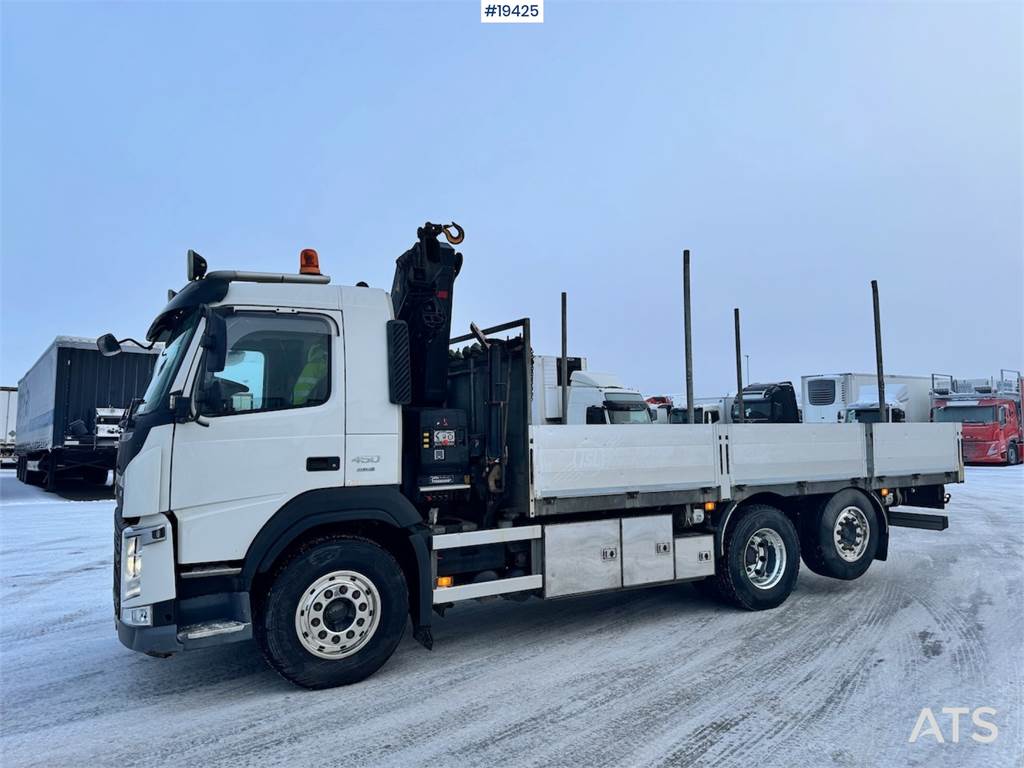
(445, 581)
(884, 492)
(709, 506)
(309, 262)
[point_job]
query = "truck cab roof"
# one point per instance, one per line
(595, 379)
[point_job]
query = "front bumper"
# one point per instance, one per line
(984, 452)
(180, 614)
(156, 641)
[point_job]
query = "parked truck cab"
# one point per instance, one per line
(990, 412)
(768, 404)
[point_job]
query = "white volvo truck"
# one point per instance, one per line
(314, 466)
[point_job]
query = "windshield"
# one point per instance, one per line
(616, 416)
(626, 408)
(754, 410)
(176, 340)
(680, 416)
(967, 414)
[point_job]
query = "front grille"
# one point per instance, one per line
(821, 391)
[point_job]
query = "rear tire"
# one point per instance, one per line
(334, 614)
(761, 561)
(839, 539)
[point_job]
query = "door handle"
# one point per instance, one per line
(323, 464)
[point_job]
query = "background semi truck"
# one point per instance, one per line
(671, 409)
(315, 466)
(827, 398)
(990, 411)
(773, 403)
(8, 423)
(70, 403)
(591, 397)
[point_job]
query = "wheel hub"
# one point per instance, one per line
(851, 534)
(337, 614)
(765, 558)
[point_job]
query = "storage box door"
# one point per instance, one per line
(647, 550)
(582, 557)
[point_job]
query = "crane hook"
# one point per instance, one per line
(454, 239)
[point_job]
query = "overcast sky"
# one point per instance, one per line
(799, 150)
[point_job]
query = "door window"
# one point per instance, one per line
(274, 362)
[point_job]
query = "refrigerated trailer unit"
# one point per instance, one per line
(830, 398)
(70, 403)
(8, 423)
(317, 464)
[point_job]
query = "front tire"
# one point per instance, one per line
(1012, 455)
(840, 538)
(761, 561)
(334, 614)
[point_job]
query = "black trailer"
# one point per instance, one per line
(69, 406)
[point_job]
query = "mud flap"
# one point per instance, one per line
(421, 603)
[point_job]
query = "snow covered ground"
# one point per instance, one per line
(837, 675)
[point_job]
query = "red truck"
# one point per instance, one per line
(990, 411)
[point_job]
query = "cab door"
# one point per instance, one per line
(269, 426)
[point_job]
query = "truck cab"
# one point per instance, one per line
(592, 397)
(865, 409)
(990, 412)
(601, 398)
(768, 404)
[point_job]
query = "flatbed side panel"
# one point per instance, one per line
(904, 449)
(771, 454)
(607, 458)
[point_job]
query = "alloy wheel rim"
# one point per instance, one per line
(337, 614)
(851, 534)
(765, 558)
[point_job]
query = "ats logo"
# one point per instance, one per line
(929, 726)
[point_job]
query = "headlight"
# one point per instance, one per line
(132, 568)
(133, 560)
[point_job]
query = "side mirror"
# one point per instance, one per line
(215, 342)
(181, 407)
(595, 414)
(108, 345)
(195, 266)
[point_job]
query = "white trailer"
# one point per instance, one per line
(828, 398)
(8, 423)
(311, 470)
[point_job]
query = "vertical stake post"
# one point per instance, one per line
(564, 362)
(687, 336)
(878, 353)
(739, 367)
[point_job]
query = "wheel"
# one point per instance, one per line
(335, 612)
(761, 561)
(1012, 455)
(840, 538)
